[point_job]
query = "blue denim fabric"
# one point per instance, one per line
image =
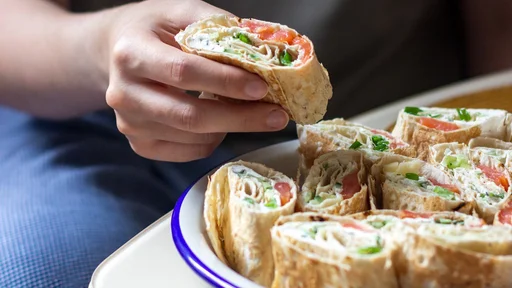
(73, 192)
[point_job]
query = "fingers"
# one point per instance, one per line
(166, 64)
(171, 151)
(177, 109)
(158, 131)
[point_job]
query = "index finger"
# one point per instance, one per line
(166, 64)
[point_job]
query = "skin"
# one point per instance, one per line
(126, 58)
(58, 65)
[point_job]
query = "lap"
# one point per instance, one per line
(73, 192)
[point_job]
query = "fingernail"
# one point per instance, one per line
(256, 89)
(277, 119)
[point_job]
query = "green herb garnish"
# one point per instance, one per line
(380, 143)
(443, 221)
(464, 114)
(312, 232)
(244, 38)
(240, 173)
(249, 200)
(499, 195)
(423, 184)
(444, 193)
(254, 56)
(412, 110)
(378, 224)
(337, 185)
(434, 115)
(325, 166)
(308, 196)
(457, 161)
(318, 199)
(355, 145)
(285, 58)
(266, 185)
(412, 176)
(271, 204)
(369, 250)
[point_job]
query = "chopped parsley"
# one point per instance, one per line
(412, 110)
(378, 224)
(355, 145)
(249, 200)
(380, 143)
(312, 232)
(285, 59)
(244, 38)
(499, 195)
(412, 176)
(464, 114)
(444, 193)
(271, 204)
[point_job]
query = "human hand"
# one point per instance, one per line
(149, 75)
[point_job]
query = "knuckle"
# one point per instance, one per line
(115, 97)
(141, 149)
(190, 118)
(178, 67)
(124, 56)
(227, 80)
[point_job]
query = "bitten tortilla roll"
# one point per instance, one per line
(336, 184)
(321, 250)
(482, 177)
(403, 183)
(339, 134)
(283, 57)
(424, 126)
(382, 218)
(242, 202)
(435, 255)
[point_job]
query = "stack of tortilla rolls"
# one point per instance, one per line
(339, 134)
(335, 184)
(424, 126)
(283, 57)
(390, 249)
(242, 202)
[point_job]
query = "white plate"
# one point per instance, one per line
(187, 225)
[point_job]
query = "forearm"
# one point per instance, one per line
(52, 63)
(489, 35)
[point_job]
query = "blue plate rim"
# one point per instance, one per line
(179, 241)
(184, 250)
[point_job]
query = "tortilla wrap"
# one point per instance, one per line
(404, 183)
(242, 202)
(434, 255)
(339, 134)
(285, 59)
(482, 177)
(336, 184)
(424, 126)
(381, 218)
(320, 250)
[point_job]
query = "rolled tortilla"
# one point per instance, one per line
(403, 183)
(336, 184)
(495, 148)
(285, 59)
(434, 255)
(504, 216)
(481, 177)
(242, 202)
(424, 126)
(382, 218)
(339, 134)
(320, 250)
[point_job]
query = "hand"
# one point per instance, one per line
(149, 75)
